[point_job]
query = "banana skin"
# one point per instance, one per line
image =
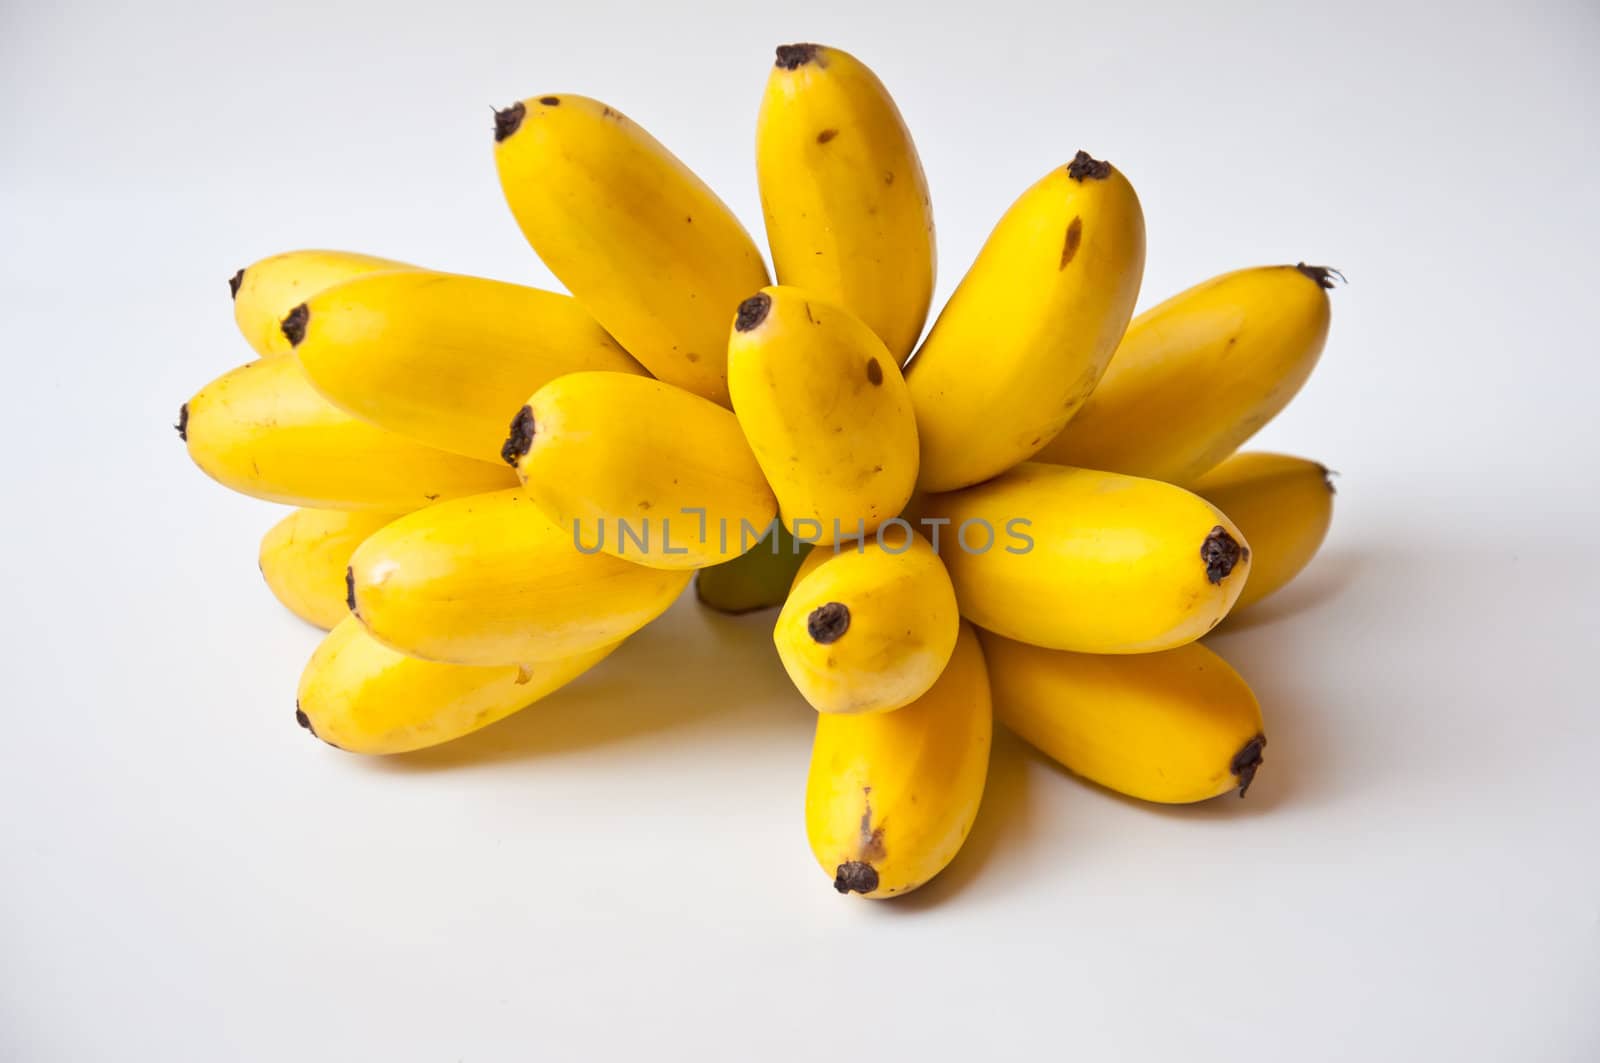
(304, 556)
(265, 292)
(891, 797)
(755, 580)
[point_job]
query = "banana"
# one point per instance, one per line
(870, 628)
(304, 556)
(1174, 727)
(1028, 332)
(1282, 504)
(641, 469)
(1199, 374)
(645, 246)
(362, 697)
(263, 430)
(442, 358)
(826, 412)
(265, 291)
(1089, 561)
(846, 202)
(490, 580)
(891, 797)
(755, 580)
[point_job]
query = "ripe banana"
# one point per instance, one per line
(1089, 561)
(826, 413)
(757, 579)
(846, 202)
(441, 358)
(1028, 332)
(1174, 727)
(1198, 375)
(645, 246)
(263, 430)
(641, 469)
(870, 628)
(890, 797)
(490, 580)
(265, 291)
(304, 557)
(363, 697)
(1282, 504)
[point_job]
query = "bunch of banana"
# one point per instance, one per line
(1034, 515)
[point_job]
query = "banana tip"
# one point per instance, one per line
(520, 441)
(1323, 275)
(303, 720)
(794, 56)
(1221, 552)
(183, 422)
(294, 324)
(855, 876)
(828, 623)
(508, 120)
(1246, 761)
(234, 282)
(1085, 167)
(752, 312)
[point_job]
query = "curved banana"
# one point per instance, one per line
(757, 579)
(490, 580)
(826, 413)
(645, 246)
(362, 697)
(1089, 561)
(641, 469)
(870, 628)
(304, 556)
(1174, 727)
(444, 359)
(890, 797)
(1283, 505)
(1028, 332)
(264, 292)
(1199, 374)
(263, 430)
(846, 202)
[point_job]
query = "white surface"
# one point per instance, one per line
(623, 873)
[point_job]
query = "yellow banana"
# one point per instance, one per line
(645, 246)
(1174, 727)
(890, 797)
(1198, 375)
(870, 628)
(263, 430)
(304, 556)
(641, 469)
(363, 697)
(757, 579)
(264, 292)
(846, 202)
(1282, 504)
(1028, 332)
(490, 580)
(441, 358)
(826, 413)
(1089, 561)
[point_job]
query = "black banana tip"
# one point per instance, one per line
(828, 623)
(1221, 552)
(1323, 275)
(294, 324)
(1246, 761)
(855, 876)
(520, 441)
(752, 312)
(183, 422)
(795, 56)
(509, 120)
(1085, 167)
(233, 284)
(303, 720)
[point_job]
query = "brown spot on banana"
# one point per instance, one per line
(350, 590)
(550, 101)
(874, 372)
(1074, 238)
(826, 135)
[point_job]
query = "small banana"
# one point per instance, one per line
(1174, 727)
(490, 580)
(642, 243)
(263, 430)
(304, 556)
(1283, 505)
(846, 203)
(891, 797)
(362, 697)
(441, 358)
(869, 628)
(264, 292)
(826, 413)
(1028, 332)
(755, 580)
(641, 469)
(1199, 374)
(1089, 561)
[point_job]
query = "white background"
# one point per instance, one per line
(622, 872)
